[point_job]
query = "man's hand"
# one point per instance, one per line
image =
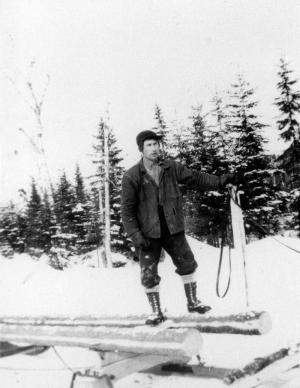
(140, 241)
(234, 179)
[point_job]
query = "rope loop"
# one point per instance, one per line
(220, 268)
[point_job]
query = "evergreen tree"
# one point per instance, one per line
(81, 211)
(64, 205)
(221, 139)
(118, 239)
(48, 222)
(288, 125)
(179, 134)
(198, 152)
(160, 128)
(94, 235)
(80, 192)
(34, 227)
(250, 159)
(65, 238)
(12, 230)
(288, 104)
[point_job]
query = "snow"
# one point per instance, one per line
(30, 287)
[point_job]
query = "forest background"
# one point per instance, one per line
(229, 124)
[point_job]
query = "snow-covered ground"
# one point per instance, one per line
(28, 288)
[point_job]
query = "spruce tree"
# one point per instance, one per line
(118, 239)
(80, 192)
(12, 230)
(81, 211)
(221, 139)
(65, 238)
(197, 152)
(34, 227)
(178, 136)
(161, 129)
(48, 222)
(250, 159)
(288, 104)
(64, 206)
(288, 125)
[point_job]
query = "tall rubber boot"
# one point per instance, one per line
(157, 316)
(194, 305)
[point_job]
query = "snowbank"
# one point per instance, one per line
(32, 287)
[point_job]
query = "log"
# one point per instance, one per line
(179, 343)
(259, 367)
(249, 323)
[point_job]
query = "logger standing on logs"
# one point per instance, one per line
(152, 215)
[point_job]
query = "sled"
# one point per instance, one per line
(272, 370)
(126, 345)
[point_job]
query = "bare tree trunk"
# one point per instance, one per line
(101, 219)
(45, 178)
(107, 202)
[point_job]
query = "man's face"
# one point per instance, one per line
(151, 150)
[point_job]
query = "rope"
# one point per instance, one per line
(74, 373)
(220, 267)
(225, 229)
(62, 360)
(86, 372)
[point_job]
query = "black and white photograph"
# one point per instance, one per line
(150, 194)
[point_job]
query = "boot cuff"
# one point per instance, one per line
(190, 278)
(153, 289)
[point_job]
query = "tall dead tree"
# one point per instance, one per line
(102, 161)
(106, 197)
(36, 138)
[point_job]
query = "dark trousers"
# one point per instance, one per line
(175, 245)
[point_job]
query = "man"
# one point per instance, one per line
(152, 215)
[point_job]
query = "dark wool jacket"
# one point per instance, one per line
(141, 196)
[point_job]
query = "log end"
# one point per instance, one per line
(265, 322)
(192, 343)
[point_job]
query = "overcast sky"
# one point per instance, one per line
(128, 55)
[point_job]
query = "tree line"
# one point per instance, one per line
(69, 218)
